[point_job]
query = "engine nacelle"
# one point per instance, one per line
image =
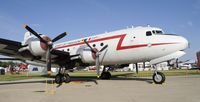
(87, 56)
(37, 48)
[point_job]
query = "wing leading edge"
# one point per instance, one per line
(9, 48)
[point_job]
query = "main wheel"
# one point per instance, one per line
(66, 78)
(159, 78)
(62, 78)
(59, 78)
(105, 75)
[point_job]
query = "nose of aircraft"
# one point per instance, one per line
(183, 42)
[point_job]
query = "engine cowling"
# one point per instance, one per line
(38, 48)
(35, 47)
(87, 56)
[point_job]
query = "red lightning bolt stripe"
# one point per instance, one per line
(119, 45)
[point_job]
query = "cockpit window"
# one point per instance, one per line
(157, 32)
(148, 33)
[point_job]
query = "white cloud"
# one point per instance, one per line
(186, 24)
(36, 25)
(181, 26)
(189, 23)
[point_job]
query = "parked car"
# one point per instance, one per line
(2, 71)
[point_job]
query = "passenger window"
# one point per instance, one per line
(153, 31)
(101, 44)
(94, 45)
(148, 33)
(159, 32)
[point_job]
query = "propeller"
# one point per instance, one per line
(60, 36)
(93, 51)
(97, 53)
(176, 63)
(173, 64)
(49, 44)
(34, 33)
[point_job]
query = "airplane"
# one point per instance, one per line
(131, 45)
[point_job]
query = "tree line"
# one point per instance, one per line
(6, 64)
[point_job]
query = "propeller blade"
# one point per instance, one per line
(34, 33)
(103, 48)
(177, 63)
(97, 65)
(168, 63)
(59, 37)
(186, 61)
(48, 59)
(89, 46)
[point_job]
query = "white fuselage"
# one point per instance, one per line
(129, 45)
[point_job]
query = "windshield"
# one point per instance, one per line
(157, 32)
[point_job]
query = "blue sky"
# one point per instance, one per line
(88, 17)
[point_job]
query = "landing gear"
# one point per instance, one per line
(105, 74)
(62, 77)
(66, 78)
(158, 77)
(59, 78)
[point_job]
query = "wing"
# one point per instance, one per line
(11, 48)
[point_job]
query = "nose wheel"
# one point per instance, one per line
(158, 78)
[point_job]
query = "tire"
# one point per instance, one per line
(105, 75)
(66, 78)
(159, 79)
(59, 78)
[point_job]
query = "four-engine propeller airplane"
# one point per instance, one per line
(131, 45)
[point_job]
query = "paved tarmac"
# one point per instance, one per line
(176, 89)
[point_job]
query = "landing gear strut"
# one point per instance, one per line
(158, 77)
(105, 74)
(62, 77)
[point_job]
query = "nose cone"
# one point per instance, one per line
(183, 43)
